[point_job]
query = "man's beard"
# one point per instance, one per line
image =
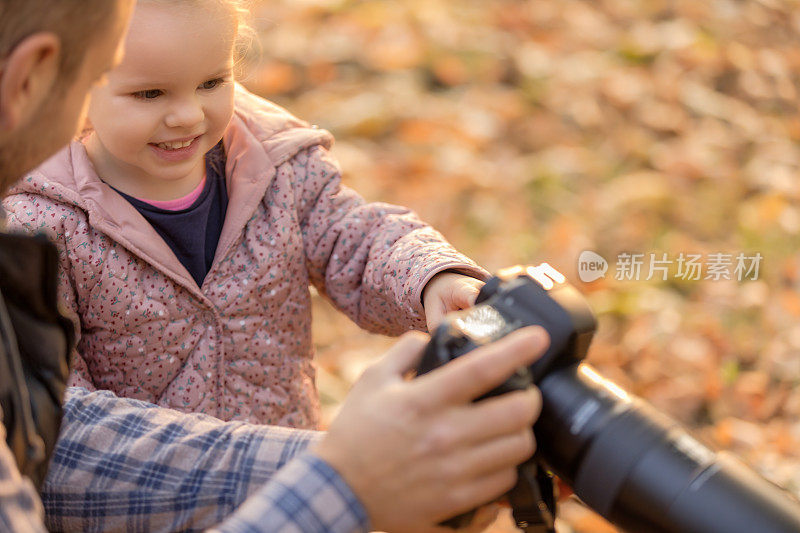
(16, 159)
(32, 145)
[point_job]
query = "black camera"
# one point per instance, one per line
(626, 460)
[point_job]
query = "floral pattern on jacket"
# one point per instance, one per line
(239, 346)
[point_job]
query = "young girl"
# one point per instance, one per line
(191, 219)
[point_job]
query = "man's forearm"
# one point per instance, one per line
(122, 464)
(306, 495)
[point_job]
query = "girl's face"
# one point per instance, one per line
(168, 102)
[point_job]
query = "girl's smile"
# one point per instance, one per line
(178, 150)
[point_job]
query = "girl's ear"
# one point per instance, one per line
(27, 78)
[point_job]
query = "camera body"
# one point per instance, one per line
(516, 297)
(630, 463)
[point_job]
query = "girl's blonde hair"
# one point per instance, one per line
(245, 34)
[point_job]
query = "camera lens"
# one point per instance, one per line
(642, 470)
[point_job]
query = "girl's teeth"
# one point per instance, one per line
(174, 145)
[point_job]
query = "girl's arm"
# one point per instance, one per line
(373, 260)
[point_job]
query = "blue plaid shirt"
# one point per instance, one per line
(126, 465)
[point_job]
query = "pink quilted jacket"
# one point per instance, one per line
(239, 346)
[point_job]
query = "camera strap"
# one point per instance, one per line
(533, 499)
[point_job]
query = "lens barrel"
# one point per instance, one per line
(642, 470)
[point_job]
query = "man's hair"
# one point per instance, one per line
(76, 22)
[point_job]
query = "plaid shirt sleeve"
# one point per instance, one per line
(126, 465)
(20, 509)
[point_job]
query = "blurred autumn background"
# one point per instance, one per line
(528, 131)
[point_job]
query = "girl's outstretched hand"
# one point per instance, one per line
(446, 292)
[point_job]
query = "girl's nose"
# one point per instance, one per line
(184, 114)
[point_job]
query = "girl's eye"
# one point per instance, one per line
(149, 94)
(211, 84)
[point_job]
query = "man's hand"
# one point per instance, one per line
(446, 292)
(419, 451)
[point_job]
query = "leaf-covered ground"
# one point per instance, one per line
(531, 131)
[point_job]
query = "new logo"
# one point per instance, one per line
(591, 266)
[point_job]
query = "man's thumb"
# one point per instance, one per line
(403, 356)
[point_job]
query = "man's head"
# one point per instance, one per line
(51, 53)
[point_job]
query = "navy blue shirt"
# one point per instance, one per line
(193, 233)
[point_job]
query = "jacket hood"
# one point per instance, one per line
(260, 137)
